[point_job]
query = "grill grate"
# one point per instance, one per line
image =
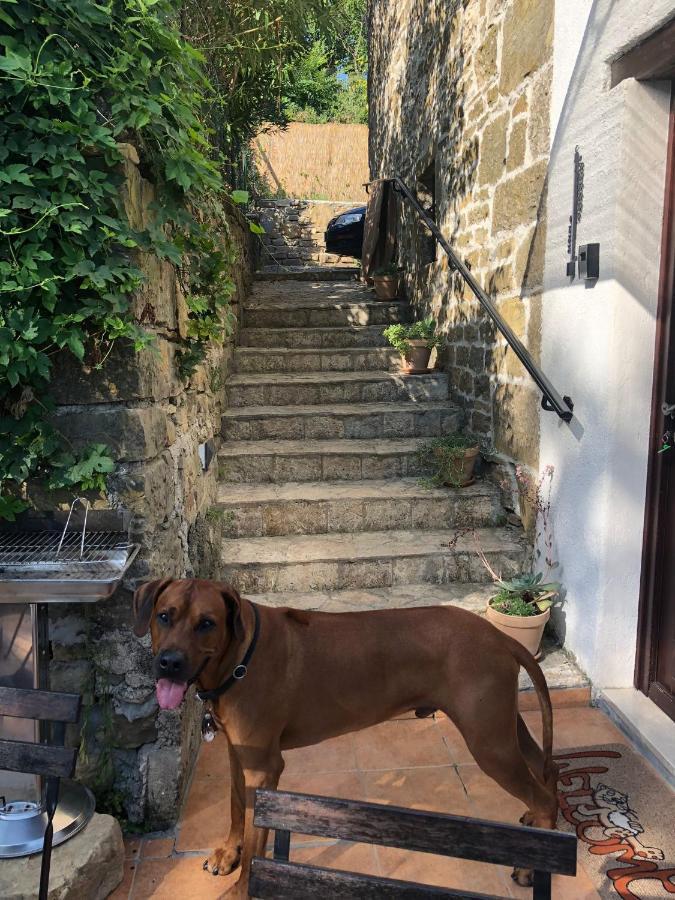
(37, 548)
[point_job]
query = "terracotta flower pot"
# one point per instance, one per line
(386, 286)
(416, 361)
(527, 630)
(462, 467)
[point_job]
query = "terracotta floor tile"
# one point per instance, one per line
(438, 789)
(444, 871)
(334, 755)
(487, 800)
(400, 744)
(121, 892)
(459, 752)
(340, 855)
(206, 816)
(562, 888)
(577, 727)
(157, 848)
(214, 759)
(178, 877)
(132, 847)
(347, 785)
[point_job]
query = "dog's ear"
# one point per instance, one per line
(145, 598)
(233, 604)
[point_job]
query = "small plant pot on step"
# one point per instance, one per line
(527, 630)
(460, 468)
(386, 287)
(416, 360)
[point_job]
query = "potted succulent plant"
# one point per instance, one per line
(522, 607)
(386, 281)
(452, 459)
(415, 343)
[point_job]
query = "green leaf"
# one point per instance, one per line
(255, 228)
(240, 197)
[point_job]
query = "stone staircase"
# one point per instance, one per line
(320, 482)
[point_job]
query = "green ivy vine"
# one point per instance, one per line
(78, 79)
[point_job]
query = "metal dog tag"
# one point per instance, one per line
(209, 727)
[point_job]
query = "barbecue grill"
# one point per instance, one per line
(45, 563)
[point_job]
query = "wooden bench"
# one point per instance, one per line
(51, 761)
(546, 852)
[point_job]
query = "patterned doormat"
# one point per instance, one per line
(624, 817)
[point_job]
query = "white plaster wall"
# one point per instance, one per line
(598, 343)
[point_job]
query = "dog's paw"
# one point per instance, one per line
(523, 877)
(223, 860)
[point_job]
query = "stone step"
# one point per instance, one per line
(341, 460)
(346, 359)
(270, 510)
(341, 420)
(560, 671)
(328, 562)
(309, 388)
(349, 336)
(339, 314)
(307, 273)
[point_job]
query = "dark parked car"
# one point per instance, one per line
(344, 233)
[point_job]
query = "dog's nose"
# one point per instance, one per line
(170, 663)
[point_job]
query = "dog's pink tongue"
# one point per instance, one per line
(170, 693)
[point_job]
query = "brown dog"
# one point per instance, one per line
(311, 676)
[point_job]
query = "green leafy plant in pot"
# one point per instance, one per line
(386, 282)
(450, 459)
(522, 607)
(415, 343)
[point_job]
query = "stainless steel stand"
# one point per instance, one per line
(40, 566)
(24, 651)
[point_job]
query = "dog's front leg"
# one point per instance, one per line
(225, 859)
(261, 770)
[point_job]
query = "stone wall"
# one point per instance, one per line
(459, 95)
(136, 757)
(294, 231)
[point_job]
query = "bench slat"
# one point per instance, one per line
(21, 756)
(34, 704)
(393, 826)
(274, 880)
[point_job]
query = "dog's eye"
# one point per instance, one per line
(205, 624)
(163, 617)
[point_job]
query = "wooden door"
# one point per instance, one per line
(655, 663)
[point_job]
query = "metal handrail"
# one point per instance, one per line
(551, 400)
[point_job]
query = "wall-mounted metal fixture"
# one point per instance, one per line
(589, 261)
(206, 453)
(577, 209)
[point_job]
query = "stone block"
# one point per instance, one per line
(379, 466)
(131, 434)
(529, 263)
(485, 61)
(90, 865)
(341, 467)
(539, 122)
(293, 518)
(514, 314)
(516, 422)
(345, 516)
(517, 200)
(124, 375)
(527, 41)
(517, 145)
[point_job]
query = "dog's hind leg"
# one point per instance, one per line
(492, 737)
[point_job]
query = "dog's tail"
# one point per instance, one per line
(533, 669)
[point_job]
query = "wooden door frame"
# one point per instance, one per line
(651, 596)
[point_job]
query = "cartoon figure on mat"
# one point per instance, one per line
(619, 820)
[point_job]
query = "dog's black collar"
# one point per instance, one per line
(239, 671)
